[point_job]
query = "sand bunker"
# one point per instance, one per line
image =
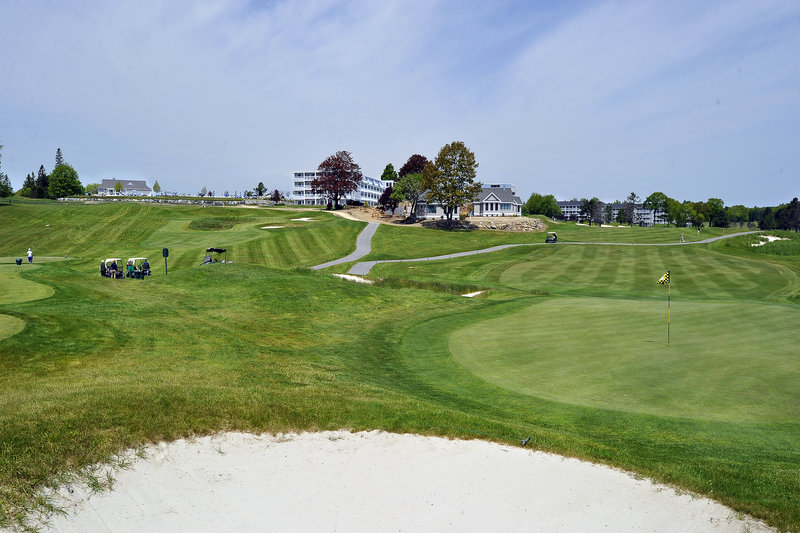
(357, 279)
(304, 219)
(271, 227)
(374, 481)
(472, 294)
(769, 238)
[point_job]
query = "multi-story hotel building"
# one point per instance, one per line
(369, 190)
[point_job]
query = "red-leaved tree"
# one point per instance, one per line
(339, 175)
(414, 165)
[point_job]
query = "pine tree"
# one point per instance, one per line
(59, 157)
(156, 187)
(42, 184)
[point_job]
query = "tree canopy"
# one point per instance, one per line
(59, 157)
(5, 184)
(415, 165)
(388, 173)
(156, 187)
(408, 189)
(387, 200)
(260, 189)
(338, 175)
(591, 210)
(539, 204)
(64, 182)
(450, 180)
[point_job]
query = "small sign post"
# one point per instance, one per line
(165, 252)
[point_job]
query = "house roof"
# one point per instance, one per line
(137, 185)
(503, 194)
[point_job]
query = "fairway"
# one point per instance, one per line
(726, 361)
(565, 344)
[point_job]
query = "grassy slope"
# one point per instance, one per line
(103, 365)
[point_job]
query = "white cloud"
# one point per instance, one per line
(697, 100)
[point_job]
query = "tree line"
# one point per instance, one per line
(712, 212)
(448, 180)
(63, 181)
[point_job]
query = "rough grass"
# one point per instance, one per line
(103, 365)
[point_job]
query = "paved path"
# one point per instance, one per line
(363, 247)
(362, 269)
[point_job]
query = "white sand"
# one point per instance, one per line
(304, 219)
(271, 227)
(357, 279)
(472, 294)
(769, 238)
(339, 481)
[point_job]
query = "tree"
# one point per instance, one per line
(28, 186)
(539, 204)
(592, 210)
(678, 212)
(276, 196)
(388, 173)
(203, 192)
(788, 215)
(658, 201)
(5, 184)
(387, 201)
(118, 187)
(450, 180)
(64, 182)
(156, 187)
(42, 184)
(716, 213)
(698, 213)
(738, 213)
(59, 157)
(630, 208)
(408, 189)
(415, 165)
(260, 189)
(337, 176)
(91, 188)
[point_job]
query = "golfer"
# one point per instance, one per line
(30, 256)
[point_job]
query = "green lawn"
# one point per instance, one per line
(578, 361)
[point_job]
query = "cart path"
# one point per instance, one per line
(363, 247)
(363, 268)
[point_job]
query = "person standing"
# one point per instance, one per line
(30, 256)
(682, 237)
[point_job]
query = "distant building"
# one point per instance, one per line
(129, 188)
(571, 210)
(494, 200)
(369, 191)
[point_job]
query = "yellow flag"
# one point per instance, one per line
(664, 280)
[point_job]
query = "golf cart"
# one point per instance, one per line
(117, 271)
(551, 237)
(215, 255)
(141, 267)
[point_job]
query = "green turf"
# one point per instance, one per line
(613, 354)
(259, 345)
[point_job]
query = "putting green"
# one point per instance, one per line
(14, 289)
(10, 325)
(726, 361)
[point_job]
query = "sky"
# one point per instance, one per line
(575, 99)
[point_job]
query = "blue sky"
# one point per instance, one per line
(581, 99)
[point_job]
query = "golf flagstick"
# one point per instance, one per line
(664, 280)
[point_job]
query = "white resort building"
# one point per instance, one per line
(369, 191)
